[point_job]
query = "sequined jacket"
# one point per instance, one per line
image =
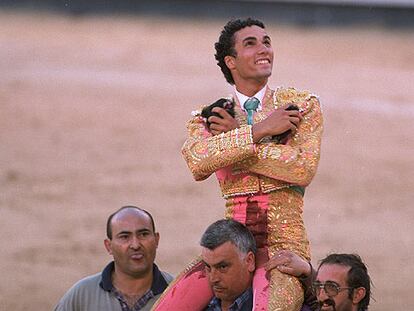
(244, 167)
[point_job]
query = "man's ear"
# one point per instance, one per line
(358, 295)
(157, 238)
(229, 61)
(251, 261)
(107, 243)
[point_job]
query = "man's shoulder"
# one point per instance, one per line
(86, 284)
(89, 280)
(305, 100)
(86, 294)
(291, 94)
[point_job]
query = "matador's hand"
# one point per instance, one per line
(224, 124)
(278, 122)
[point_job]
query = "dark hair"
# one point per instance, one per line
(225, 44)
(357, 274)
(228, 230)
(108, 222)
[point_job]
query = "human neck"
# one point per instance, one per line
(225, 305)
(249, 89)
(130, 285)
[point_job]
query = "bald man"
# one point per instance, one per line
(132, 281)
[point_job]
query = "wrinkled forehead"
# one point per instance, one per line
(226, 252)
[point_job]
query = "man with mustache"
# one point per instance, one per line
(132, 281)
(342, 283)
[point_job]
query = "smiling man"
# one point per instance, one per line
(132, 281)
(263, 157)
(342, 283)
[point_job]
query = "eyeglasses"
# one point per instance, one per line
(331, 289)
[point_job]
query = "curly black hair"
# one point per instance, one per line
(225, 44)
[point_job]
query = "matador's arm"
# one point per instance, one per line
(205, 153)
(297, 161)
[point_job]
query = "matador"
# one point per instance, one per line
(262, 178)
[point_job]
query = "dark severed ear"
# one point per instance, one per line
(224, 103)
(282, 137)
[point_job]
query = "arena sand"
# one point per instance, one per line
(92, 117)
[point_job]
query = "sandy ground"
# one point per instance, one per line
(92, 117)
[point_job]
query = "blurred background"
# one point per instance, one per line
(94, 98)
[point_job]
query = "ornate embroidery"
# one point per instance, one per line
(266, 170)
(275, 219)
(239, 186)
(285, 292)
(205, 153)
(294, 163)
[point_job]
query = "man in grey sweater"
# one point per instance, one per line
(132, 281)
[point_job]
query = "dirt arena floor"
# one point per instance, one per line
(92, 117)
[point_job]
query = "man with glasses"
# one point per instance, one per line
(342, 283)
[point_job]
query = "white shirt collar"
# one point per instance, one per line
(259, 95)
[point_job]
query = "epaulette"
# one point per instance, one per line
(290, 95)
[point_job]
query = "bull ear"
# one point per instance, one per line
(358, 295)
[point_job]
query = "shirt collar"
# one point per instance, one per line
(259, 95)
(106, 281)
(245, 298)
(159, 284)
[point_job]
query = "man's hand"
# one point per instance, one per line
(290, 263)
(280, 121)
(224, 124)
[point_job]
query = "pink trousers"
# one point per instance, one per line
(190, 291)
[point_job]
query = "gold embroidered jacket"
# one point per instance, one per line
(243, 167)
